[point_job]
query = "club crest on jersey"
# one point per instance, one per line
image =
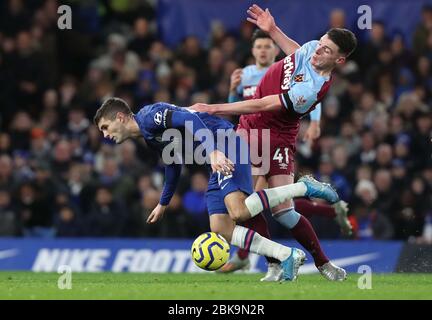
(158, 118)
(299, 77)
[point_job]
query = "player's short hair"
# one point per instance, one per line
(259, 34)
(344, 39)
(109, 109)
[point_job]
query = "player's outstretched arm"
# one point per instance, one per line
(269, 103)
(265, 21)
(172, 175)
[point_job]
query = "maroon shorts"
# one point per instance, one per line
(272, 153)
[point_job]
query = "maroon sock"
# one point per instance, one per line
(309, 208)
(304, 233)
(258, 224)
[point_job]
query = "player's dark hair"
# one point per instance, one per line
(109, 109)
(344, 39)
(259, 34)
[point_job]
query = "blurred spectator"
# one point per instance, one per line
(371, 223)
(377, 40)
(130, 164)
(9, 222)
(7, 180)
(191, 53)
(120, 62)
(35, 213)
(142, 38)
(384, 156)
(422, 135)
(20, 131)
(194, 201)
(5, 143)
(423, 30)
(122, 185)
(327, 173)
(15, 17)
(67, 223)
(177, 223)
(61, 159)
(138, 225)
(385, 192)
(107, 217)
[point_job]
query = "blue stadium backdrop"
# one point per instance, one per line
(155, 255)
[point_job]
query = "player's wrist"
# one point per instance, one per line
(274, 31)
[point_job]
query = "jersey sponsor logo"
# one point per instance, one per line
(249, 92)
(300, 101)
(299, 77)
(288, 68)
(158, 118)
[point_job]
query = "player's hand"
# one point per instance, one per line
(262, 19)
(156, 214)
(313, 132)
(202, 107)
(235, 79)
(220, 163)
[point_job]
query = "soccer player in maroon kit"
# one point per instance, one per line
(290, 89)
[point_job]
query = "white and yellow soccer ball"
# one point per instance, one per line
(210, 251)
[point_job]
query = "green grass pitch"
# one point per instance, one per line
(28, 285)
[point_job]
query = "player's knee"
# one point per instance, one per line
(283, 206)
(239, 214)
(224, 232)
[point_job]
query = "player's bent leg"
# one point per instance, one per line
(273, 266)
(221, 223)
(292, 258)
(260, 182)
(235, 203)
(304, 233)
(224, 225)
(337, 211)
(300, 227)
(275, 197)
(318, 189)
(259, 224)
(341, 210)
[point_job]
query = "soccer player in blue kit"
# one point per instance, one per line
(230, 196)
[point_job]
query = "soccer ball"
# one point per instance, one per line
(210, 251)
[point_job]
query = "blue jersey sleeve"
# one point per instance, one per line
(306, 50)
(164, 116)
(191, 121)
(240, 88)
(172, 175)
(300, 97)
(315, 114)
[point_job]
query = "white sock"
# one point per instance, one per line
(252, 241)
(269, 198)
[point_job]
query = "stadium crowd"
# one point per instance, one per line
(60, 178)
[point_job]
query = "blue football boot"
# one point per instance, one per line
(317, 189)
(291, 265)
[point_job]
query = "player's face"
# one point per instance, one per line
(326, 55)
(264, 51)
(115, 130)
